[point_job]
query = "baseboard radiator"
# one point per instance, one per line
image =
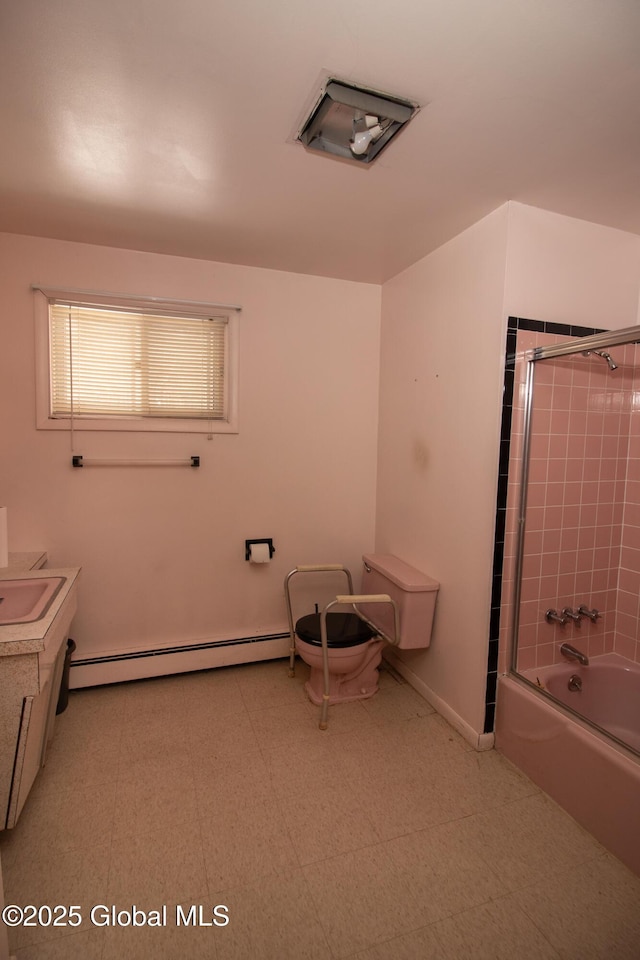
(159, 662)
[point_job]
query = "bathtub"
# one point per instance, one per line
(610, 694)
(594, 778)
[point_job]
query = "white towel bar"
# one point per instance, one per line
(79, 461)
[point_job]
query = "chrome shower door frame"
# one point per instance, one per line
(576, 345)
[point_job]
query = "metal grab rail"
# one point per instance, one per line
(341, 600)
(309, 568)
(350, 598)
(354, 599)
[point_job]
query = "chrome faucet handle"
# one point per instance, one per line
(593, 615)
(570, 615)
(552, 616)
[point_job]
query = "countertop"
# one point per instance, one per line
(19, 638)
(23, 561)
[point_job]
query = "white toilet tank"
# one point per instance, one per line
(414, 593)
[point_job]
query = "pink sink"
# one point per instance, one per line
(23, 601)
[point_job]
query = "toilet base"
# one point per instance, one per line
(339, 696)
(359, 684)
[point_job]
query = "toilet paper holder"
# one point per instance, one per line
(248, 544)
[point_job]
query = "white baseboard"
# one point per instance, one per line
(479, 741)
(142, 664)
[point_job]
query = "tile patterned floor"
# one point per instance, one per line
(384, 838)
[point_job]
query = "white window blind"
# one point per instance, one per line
(117, 363)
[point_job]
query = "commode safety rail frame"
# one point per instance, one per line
(351, 599)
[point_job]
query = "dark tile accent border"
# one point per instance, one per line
(513, 325)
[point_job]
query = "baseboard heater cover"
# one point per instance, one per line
(183, 648)
(169, 661)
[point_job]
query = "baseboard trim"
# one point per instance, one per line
(479, 741)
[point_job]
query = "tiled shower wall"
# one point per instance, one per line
(582, 542)
(627, 629)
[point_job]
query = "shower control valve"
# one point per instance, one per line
(593, 615)
(570, 615)
(552, 616)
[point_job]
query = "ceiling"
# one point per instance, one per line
(169, 127)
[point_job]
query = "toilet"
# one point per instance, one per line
(394, 594)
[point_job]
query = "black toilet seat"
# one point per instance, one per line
(343, 630)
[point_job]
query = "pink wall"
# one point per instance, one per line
(568, 271)
(564, 270)
(440, 396)
(443, 330)
(163, 558)
(162, 550)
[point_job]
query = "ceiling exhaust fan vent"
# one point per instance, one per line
(353, 122)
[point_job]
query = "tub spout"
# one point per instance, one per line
(572, 654)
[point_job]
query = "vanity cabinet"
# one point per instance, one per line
(38, 677)
(4, 938)
(30, 675)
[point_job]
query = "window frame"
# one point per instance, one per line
(44, 419)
